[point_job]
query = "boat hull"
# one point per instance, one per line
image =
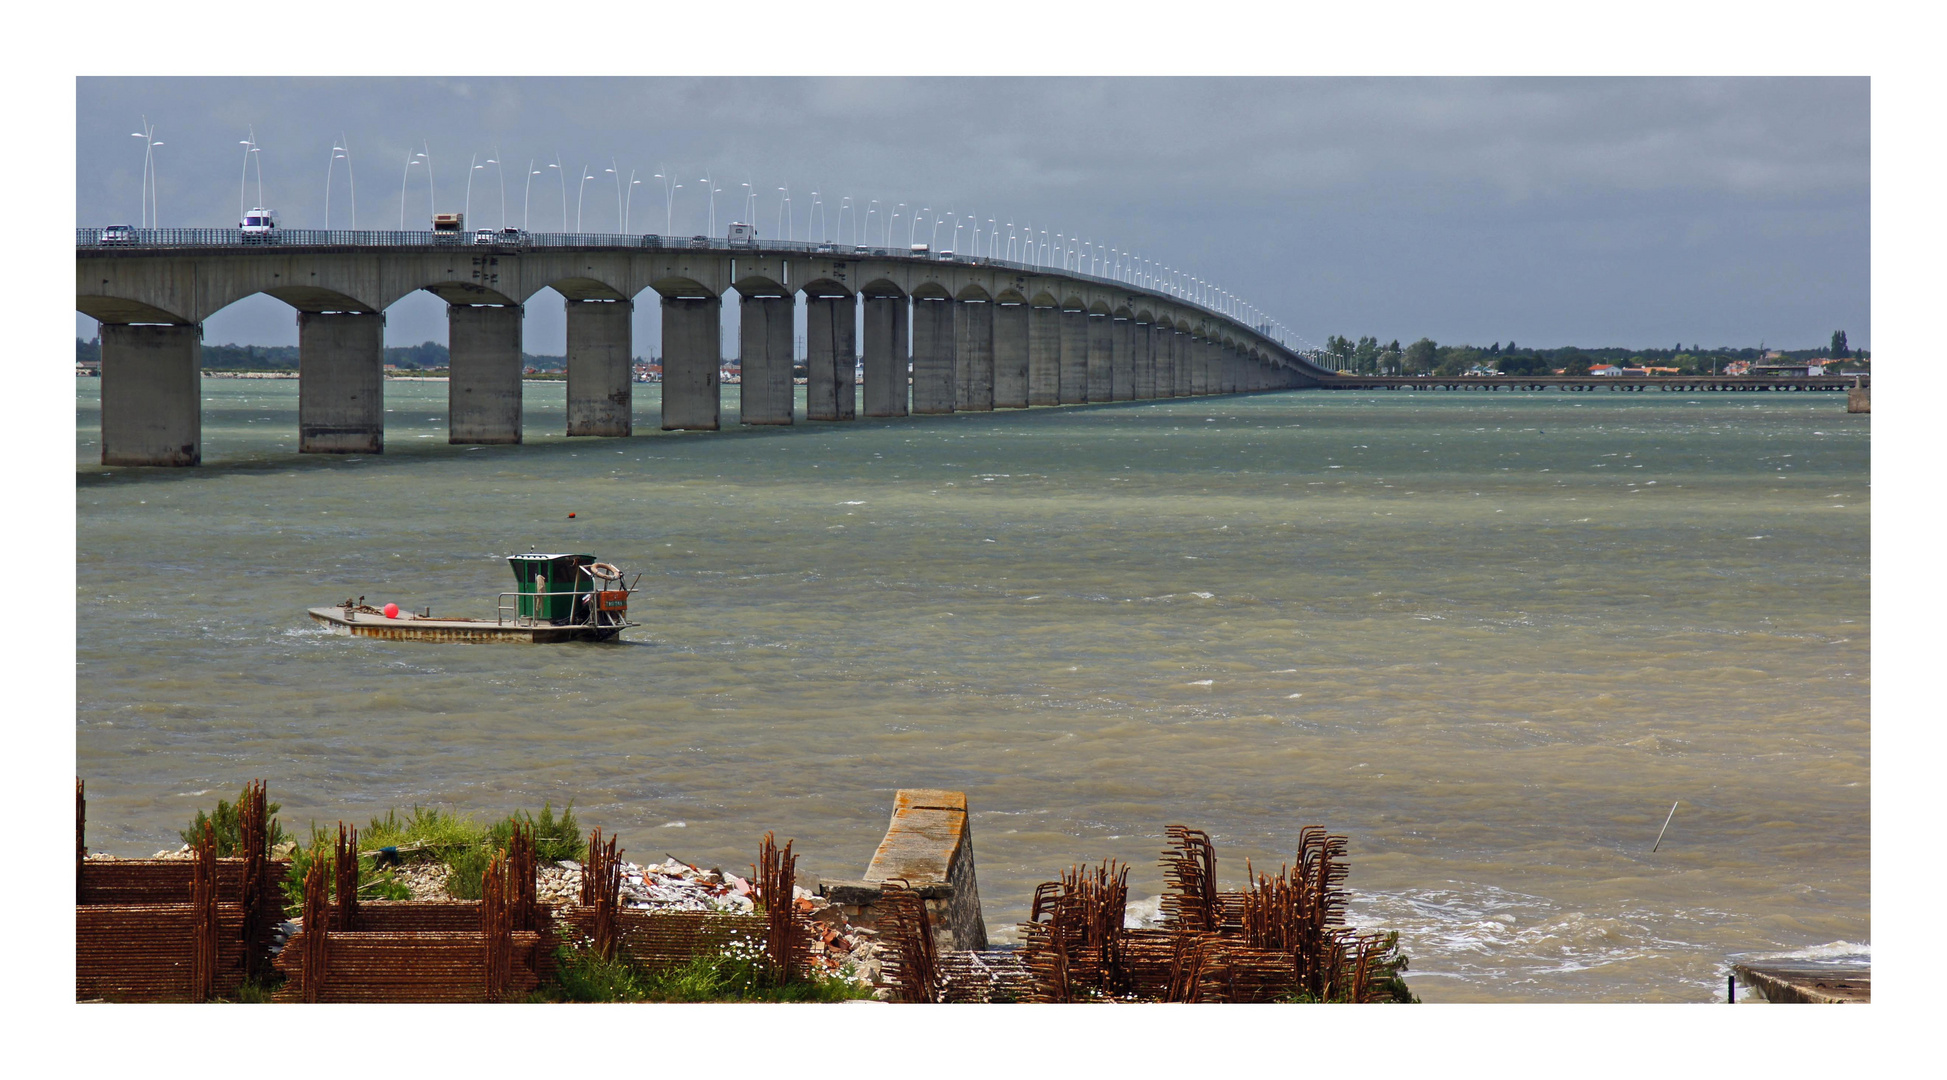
(407, 628)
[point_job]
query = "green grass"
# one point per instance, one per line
(228, 823)
(733, 975)
(428, 828)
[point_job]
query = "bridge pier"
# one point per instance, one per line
(341, 382)
(151, 395)
(692, 358)
(1010, 356)
(1199, 367)
(1122, 360)
(933, 367)
(1073, 388)
(601, 383)
(1044, 356)
(1142, 340)
(886, 366)
(764, 359)
(973, 356)
(1101, 357)
(1182, 364)
(831, 358)
(483, 373)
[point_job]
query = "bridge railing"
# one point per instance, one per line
(122, 239)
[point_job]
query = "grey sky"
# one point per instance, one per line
(1608, 211)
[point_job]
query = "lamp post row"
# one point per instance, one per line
(1072, 252)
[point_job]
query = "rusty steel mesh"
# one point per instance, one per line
(1282, 938)
(911, 966)
(786, 940)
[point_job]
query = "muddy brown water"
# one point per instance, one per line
(1490, 638)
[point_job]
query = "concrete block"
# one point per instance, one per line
(929, 845)
(341, 383)
(151, 395)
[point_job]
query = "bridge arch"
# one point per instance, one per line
(881, 288)
(823, 287)
(931, 290)
(118, 309)
(678, 287)
(1013, 296)
(1044, 299)
(754, 285)
(578, 287)
(974, 292)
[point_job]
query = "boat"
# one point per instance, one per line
(558, 597)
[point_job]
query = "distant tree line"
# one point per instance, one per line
(1367, 356)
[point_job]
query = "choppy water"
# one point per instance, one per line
(1491, 638)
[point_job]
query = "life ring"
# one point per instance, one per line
(604, 571)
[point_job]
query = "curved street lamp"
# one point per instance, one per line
(527, 198)
(148, 218)
(411, 160)
(556, 166)
(472, 166)
(499, 174)
(243, 180)
(669, 201)
(581, 192)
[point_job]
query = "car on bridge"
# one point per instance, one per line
(118, 234)
(259, 226)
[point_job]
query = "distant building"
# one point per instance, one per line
(1606, 369)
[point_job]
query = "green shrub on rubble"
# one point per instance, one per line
(373, 883)
(555, 838)
(738, 973)
(228, 822)
(428, 828)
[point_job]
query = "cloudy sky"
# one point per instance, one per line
(1637, 212)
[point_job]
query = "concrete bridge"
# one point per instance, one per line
(983, 333)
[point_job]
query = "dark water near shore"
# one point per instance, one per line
(1490, 638)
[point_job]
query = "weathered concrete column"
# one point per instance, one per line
(152, 395)
(483, 374)
(930, 843)
(692, 359)
(1122, 360)
(1010, 356)
(887, 377)
(601, 384)
(1199, 366)
(1142, 340)
(764, 359)
(1182, 364)
(1044, 356)
(933, 368)
(1101, 354)
(973, 356)
(1233, 370)
(831, 357)
(341, 382)
(1073, 387)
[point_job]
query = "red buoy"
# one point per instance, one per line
(391, 611)
(571, 513)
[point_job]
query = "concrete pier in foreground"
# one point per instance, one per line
(151, 395)
(601, 387)
(483, 377)
(1044, 356)
(929, 846)
(341, 382)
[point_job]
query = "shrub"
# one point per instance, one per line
(427, 828)
(228, 824)
(466, 872)
(554, 838)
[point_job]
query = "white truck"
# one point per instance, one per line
(259, 225)
(449, 227)
(742, 235)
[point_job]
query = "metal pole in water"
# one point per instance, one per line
(1731, 988)
(1665, 828)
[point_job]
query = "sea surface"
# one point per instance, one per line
(1490, 638)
